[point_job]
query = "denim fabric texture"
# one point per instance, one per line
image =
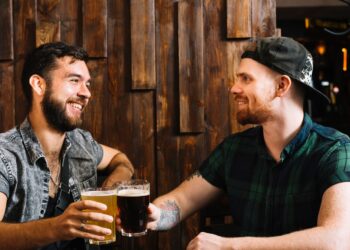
(25, 176)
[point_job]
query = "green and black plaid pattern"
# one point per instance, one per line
(269, 198)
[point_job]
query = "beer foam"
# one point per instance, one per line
(132, 192)
(99, 193)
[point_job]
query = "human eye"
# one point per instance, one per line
(74, 80)
(88, 84)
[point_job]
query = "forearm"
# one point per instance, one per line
(314, 238)
(120, 168)
(28, 235)
(169, 213)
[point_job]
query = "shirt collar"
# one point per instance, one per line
(299, 139)
(30, 141)
(32, 144)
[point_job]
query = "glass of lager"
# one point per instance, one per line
(108, 196)
(133, 201)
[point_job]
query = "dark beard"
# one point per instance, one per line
(56, 116)
(258, 117)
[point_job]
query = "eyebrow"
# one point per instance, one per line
(76, 75)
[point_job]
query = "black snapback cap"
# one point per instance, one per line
(288, 57)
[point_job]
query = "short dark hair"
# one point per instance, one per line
(43, 59)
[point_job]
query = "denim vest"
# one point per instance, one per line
(25, 176)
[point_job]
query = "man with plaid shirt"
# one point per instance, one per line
(287, 179)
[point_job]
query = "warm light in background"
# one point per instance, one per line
(307, 23)
(321, 49)
(345, 59)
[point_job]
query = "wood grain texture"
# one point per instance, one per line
(191, 49)
(263, 18)
(70, 22)
(146, 124)
(168, 143)
(47, 32)
(143, 66)
(7, 97)
(6, 28)
(239, 18)
(95, 27)
(24, 41)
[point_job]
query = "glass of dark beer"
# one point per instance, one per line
(133, 200)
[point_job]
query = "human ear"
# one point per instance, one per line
(284, 83)
(38, 84)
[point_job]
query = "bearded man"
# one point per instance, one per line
(46, 160)
(287, 179)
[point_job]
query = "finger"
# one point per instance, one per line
(89, 204)
(94, 229)
(118, 223)
(96, 216)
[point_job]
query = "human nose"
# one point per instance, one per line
(84, 91)
(235, 89)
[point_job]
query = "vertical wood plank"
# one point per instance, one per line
(47, 23)
(168, 143)
(24, 41)
(94, 112)
(69, 16)
(264, 18)
(238, 18)
(95, 27)
(6, 28)
(191, 46)
(143, 67)
(47, 32)
(7, 97)
(129, 119)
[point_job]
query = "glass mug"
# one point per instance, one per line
(133, 199)
(107, 196)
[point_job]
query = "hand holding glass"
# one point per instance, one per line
(107, 196)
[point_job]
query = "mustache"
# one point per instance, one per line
(80, 100)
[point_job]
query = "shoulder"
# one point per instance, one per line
(80, 136)
(11, 141)
(329, 135)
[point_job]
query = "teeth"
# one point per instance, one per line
(77, 106)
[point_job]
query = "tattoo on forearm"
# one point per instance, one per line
(195, 173)
(169, 215)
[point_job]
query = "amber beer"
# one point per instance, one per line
(133, 200)
(108, 197)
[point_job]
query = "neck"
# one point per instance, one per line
(281, 130)
(51, 140)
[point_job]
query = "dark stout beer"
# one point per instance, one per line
(132, 205)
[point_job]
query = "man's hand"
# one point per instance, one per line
(72, 223)
(206, 241)
(153, 217)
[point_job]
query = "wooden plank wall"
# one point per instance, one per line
(161, 71)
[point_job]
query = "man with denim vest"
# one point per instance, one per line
(45, 161)
(288, 179)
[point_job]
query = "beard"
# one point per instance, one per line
(259, 115)
(55, 114)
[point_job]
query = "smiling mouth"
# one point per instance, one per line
(77, 106)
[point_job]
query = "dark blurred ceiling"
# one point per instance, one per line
(299, 9)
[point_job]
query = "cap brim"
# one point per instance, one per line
(313, 94)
